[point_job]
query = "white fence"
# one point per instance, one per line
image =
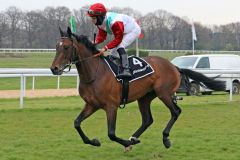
(26, 50)
(22, 73)
(22, 50)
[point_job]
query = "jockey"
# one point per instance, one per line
(123, 27)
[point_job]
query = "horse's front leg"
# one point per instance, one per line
(111, 120)
(86, 112)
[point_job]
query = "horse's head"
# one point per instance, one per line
(65, 53)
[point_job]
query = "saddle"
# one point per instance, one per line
(138, 67)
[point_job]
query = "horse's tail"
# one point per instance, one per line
(211, 83)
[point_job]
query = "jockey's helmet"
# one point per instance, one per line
(97, 9)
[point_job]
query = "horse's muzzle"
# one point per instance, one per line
(56, 71)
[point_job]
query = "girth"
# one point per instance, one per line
(125, 90)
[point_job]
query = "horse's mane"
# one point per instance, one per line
(89, 45)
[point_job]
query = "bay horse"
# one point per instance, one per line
(100, 90)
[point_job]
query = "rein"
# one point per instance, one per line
(93, 56)
(73, 60)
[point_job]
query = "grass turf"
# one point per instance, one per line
(207, 129)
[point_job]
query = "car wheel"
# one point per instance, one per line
(235, 88)
(193, 90)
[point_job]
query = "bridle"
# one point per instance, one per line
(75, 59)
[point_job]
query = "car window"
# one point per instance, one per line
(203, 63)
(184, 62)
(225, 62)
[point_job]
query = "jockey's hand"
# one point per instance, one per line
(103, 50)
(94, 43)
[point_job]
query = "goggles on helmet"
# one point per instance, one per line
(94, 13)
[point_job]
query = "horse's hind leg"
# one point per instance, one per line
(147, 120)
(86, 112)
(175, 112)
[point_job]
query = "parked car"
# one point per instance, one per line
(219, 65)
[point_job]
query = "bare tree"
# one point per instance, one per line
(32, 28)
(3, 28)
(83, 22)
(161, 29)
(62, 16)
(53, 19)
(14, 19)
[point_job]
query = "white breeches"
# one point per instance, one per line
(128, 39)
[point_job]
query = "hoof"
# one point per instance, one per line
(167, 143)
(95, 142)
(134, 140)
(126, 149)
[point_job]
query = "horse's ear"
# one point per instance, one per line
(69, 31)
(61, 32)
(74, 35)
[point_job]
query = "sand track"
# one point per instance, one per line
(38, 93)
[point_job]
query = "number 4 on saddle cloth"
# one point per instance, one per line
(139, 68)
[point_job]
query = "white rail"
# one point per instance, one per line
(27, 50)
(28, 72)
(22, 73)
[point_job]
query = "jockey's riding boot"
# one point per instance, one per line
(125, 65)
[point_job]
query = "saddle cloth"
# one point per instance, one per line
(138, 66)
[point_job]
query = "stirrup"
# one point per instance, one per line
(124, 74)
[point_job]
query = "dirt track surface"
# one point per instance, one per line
(38, 93)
